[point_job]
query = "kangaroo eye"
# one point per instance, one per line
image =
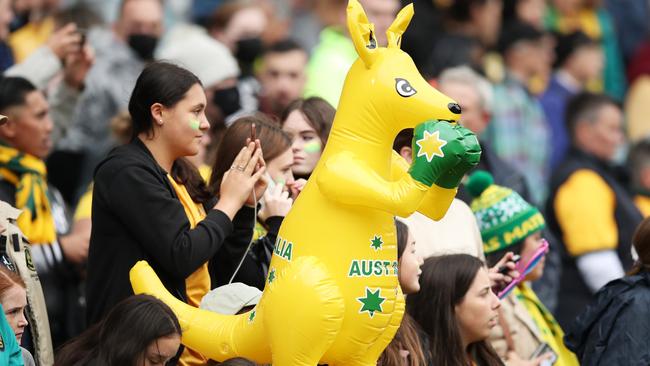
(404, 88)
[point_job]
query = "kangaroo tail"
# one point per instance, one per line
(216, 336)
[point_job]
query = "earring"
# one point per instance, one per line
(160, 121)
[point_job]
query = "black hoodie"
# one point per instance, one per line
(136, 215)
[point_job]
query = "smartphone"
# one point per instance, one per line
(524, 268)
(544, 349)
(83, 33)
(504, 269)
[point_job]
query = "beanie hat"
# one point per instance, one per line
(504, 218)
(192, 48)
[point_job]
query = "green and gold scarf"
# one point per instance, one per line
(28, 174)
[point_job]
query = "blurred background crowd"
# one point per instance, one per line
(558, 92)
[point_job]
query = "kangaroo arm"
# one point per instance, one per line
(437, 200)
(346, 179)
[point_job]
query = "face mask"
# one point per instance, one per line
(249, 49)
(143, 45)
(227, 100)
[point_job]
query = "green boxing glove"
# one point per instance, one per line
(442, 153)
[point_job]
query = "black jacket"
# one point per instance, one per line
(615, 328)
(574, 294)
(255, 267)
(136, 215)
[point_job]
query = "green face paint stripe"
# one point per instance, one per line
(195, 124)
(313, 147)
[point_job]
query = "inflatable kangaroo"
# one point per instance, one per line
(332, 294)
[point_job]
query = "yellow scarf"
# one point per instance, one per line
(28, 174)
(549, 329)
(198, 283)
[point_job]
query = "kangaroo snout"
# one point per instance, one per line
(454, 108)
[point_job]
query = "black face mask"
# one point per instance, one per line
(143, 45)
(227, 100)
(249, 49)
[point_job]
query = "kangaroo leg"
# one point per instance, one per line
(303, 313)
(377, 348)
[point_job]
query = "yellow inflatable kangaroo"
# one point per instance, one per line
(332, 294)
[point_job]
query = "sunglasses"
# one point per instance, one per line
(525, 267)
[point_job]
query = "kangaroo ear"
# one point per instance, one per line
(362, 33)
(401, 22)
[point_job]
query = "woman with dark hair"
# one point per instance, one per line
(150, 203)
(276, 201)
(140, 330)
(308, 122)
(406, 348)
(615, 328)
(456, 309)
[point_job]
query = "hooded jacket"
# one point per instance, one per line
(615, 328)
(136, 215)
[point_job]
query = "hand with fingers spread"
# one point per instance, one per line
(65, 41)
(276, 202)
(238, 183)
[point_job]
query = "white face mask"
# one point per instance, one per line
(620, 157)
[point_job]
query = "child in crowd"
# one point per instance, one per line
(140, 330)
(277, 199)
(13, 298)
(406, 349)
(456, 309)
(526, 329)
(308, 122)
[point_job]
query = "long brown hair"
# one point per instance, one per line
(318, 113)
(273, 140)
(641, 242)
(9, 279)
(167, 84)
(444, 283)
(406, 337)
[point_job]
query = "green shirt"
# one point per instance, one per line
(329, 64)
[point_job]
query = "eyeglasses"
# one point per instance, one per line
(525, 267)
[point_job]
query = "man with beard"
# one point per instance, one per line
(283, 76)
(131, 44)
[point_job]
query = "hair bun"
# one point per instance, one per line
(478, 182)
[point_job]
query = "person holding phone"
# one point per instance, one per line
(149, 203)
(249, 263)
(527, 333)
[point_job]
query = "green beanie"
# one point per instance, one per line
(504, 218)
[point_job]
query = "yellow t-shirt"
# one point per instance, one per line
(27, 39)
(198, 283)
(643, 204)
(584, 207)
(85, 205)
